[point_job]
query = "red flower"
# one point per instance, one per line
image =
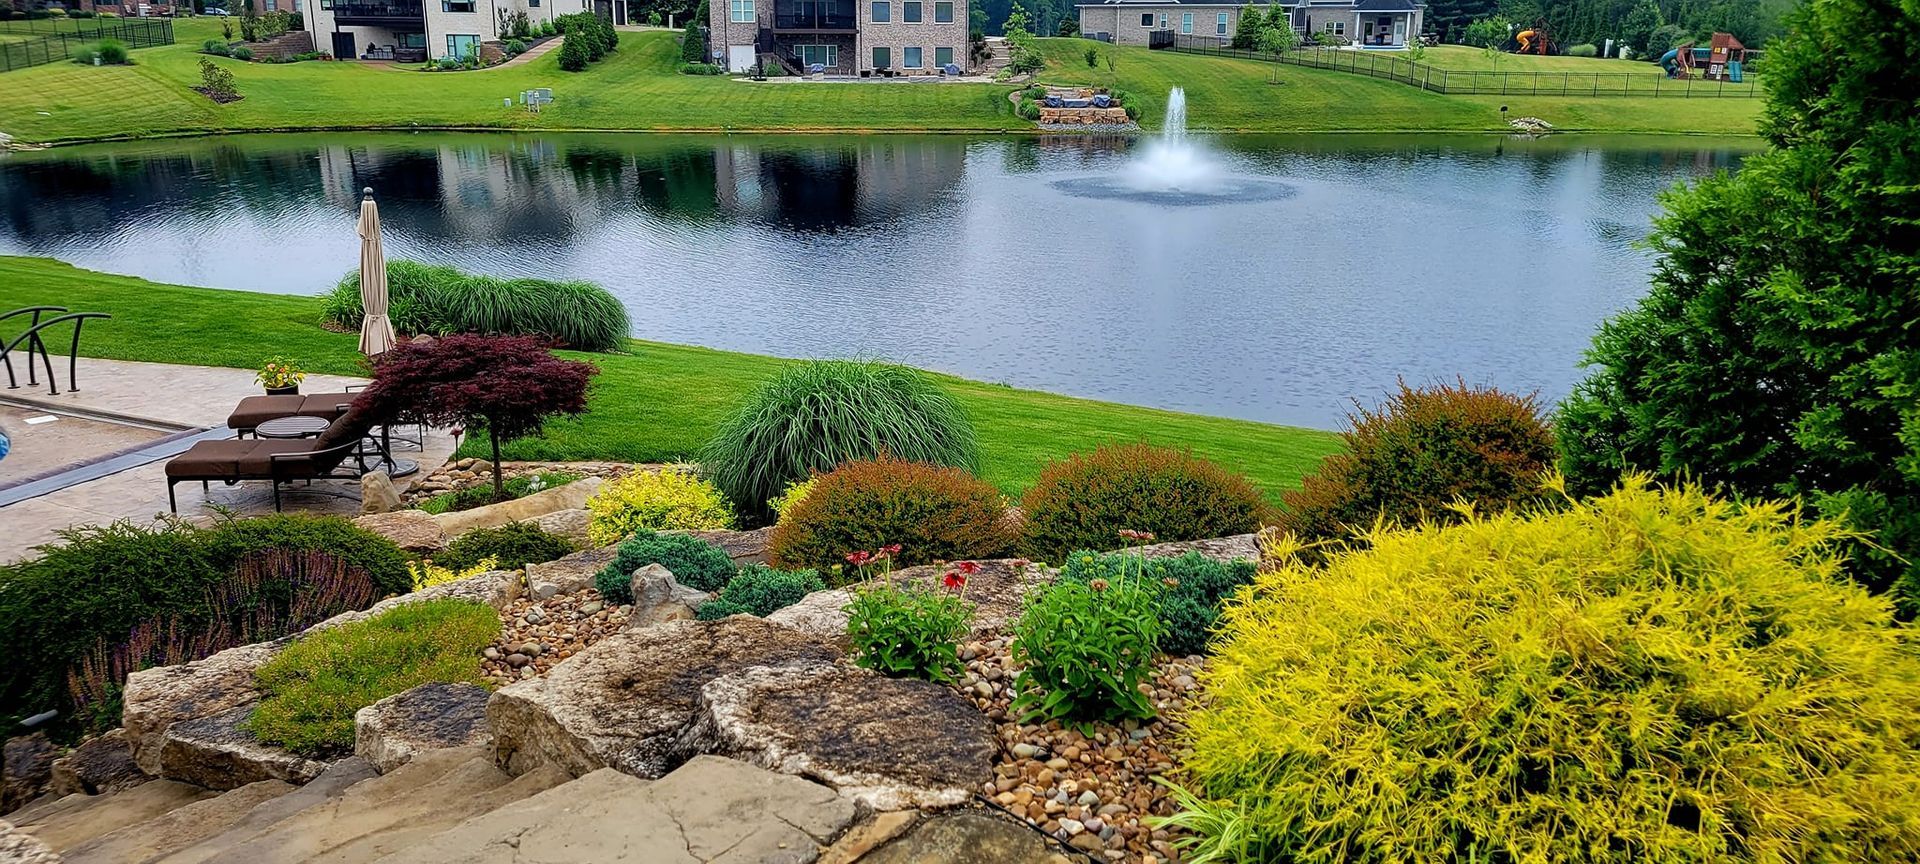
(892, 549)
(968, 567)
(954, 579)
(859, 559)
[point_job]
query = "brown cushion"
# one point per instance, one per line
(255, 410)
(209, 460)
(327, 405)
(258, 462)
(351, 426)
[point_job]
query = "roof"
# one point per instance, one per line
(1281, 3)
(1384, 5)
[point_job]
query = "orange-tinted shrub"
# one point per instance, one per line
(1086, 500)
(934, 514)
(1419, 452)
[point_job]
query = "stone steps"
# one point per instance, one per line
(331, 783)
(178, 829)
(77, 818)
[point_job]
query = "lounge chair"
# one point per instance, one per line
(255, 410)
(276, 460)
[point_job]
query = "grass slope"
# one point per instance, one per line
(658, 403)
(1226, 94)
(639, 88)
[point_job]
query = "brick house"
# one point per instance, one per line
(1366, 23)
(843, 37)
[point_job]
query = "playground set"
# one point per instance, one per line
(1534, 40)
(1721, 60)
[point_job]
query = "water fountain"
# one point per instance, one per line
(1177, 170)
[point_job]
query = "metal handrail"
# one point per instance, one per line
(79, 319)
(13, 383)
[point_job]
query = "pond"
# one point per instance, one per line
(1373, 258)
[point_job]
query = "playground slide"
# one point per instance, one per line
(1670, 61)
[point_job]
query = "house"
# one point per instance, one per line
(1368, 23)
(843, 37)
(415, 30)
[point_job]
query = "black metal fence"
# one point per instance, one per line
(35, 43)
(1647, 80)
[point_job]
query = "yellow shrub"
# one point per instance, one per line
(793, 494)
(1652, 676)
(427, 574)
(655, 501)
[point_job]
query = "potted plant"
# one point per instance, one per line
(280, 376)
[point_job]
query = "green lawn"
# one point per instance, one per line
(1233, 95)
(658, 403)
(638, 88)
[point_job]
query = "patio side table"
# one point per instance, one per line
(292, 427)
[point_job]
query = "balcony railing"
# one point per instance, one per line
(814, 16)
(386, 11)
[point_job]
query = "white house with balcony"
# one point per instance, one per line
(413, 31)
(1380, 24)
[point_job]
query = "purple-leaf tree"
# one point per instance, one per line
(508, 386)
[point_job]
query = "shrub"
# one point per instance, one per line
(56, 12)
(1190, 589)
(235, 540)
(1028, 110)
(761, 590)
(910, 631)
(1418, 454)
(547, 28)
(654, 501)
(693, 46)
(1585, 50)
(794, 494)
(813, 416)
(314, 686)
(111, 51)
(240, 52)
(933, 513)
(510, 547)
(1036, 92)
(439, 300)
(480, 496)
(695, 563)
(702, 69)
(427, 574)
(1084, 649)
(573, 57)
(505, 386)
(444, 64)
(1653, 665)
(515, 46)
(1086, 500)
(1092, 57)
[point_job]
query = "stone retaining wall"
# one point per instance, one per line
(283, 46)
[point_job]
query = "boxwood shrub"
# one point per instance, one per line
(933, 513)
(695, 563)
(1645, 676)
(1086, 500)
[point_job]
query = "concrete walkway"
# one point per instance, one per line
(164, 395)
(527, 56)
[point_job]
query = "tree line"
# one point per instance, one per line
(1650, 26)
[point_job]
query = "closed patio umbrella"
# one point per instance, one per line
(376, 332)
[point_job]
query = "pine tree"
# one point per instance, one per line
(1248, 32)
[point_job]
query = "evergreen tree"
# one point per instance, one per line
(1778, 352)
(1247, 33)
(693, 45)
(1637, 29)
(573, 53)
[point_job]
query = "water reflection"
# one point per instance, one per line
(1486, 257)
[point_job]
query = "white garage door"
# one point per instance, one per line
(739, 58)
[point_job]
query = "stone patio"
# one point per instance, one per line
(166, 395)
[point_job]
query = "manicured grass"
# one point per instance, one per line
(639, 88)
(1232, 95)
(1468, 58)
(658, 403)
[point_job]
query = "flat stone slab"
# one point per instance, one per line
(996, 592)
(970, 837)
(570, 523)
(571, 496)
(413, 530)
(568, 573)
(1239, 547)
(709, 811)
(624, 702)
(98, 766)
(434, 716)
(889, 743)
(18, 847)
(216, 752)
(744, 547)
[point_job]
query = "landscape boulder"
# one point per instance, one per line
(570, 523)
(98, 766)
(19, 847)
(157, 698)
(968, 836)
(659, 598)
(412, 530)
(624, 702)
(217, 752)
(29, 769)
(377, 493)
(571, 496)
(1239, 547)
(744, 547)
(568, 573)
(888, 743)
(821, 613)
(431, 716)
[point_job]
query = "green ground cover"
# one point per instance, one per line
(639, 88)
(657, 403)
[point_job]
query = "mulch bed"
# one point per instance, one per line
(222, 98)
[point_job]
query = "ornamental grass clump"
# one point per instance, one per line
(934, 513)
(814, 416)
(441, 300)
(1086, 500)
(1649, 676)
(694, 563)
(1416, 456)
(664, 500)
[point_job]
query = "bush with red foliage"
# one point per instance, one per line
(931, 512)
(507, 386)
(1418, 453)
(1084, 502)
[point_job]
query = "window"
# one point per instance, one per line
(456, 5)
(1163, 20)
(460, 45)
(1337, 28)
(326, 4)
(533, 4)
(910, 11)
(882, 58)
(740, 11)
(1146, 19)
(413, 40)
(910, 58)
(943, 57)
(943, 11)
(825, 55)
(882, 11)
(1220, 24)
(1186, 23)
